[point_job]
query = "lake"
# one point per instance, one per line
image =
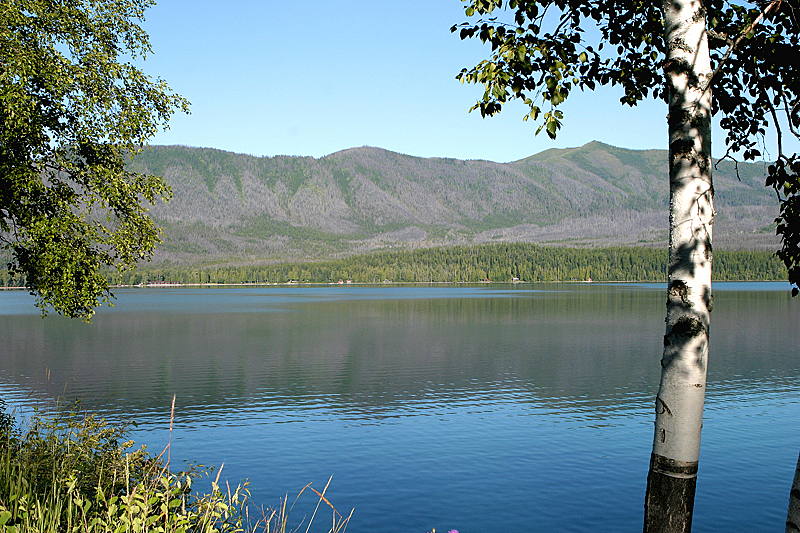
(478, 408)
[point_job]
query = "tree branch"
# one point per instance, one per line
(720, 36)
(777, 125)
(735, 162)
(789, 113)
(733, 43)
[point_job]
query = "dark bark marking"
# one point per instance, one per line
(676, 67)
(687, 326)
(677, 117)
(795, 493)
(791, 525)
(708, 298)
(662, 407)
(680, 150)
(680, 44)
(683, 150)
(703, 161)
(698, 120)
(681, 147)
(708, 252)
(679, 289)
(699, 15)
(665, 465)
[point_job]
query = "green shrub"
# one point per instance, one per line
(72, 472)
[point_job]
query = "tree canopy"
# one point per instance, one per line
(73, 109)
(542, 50)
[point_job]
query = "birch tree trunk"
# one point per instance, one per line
(671, 482)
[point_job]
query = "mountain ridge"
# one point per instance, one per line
(241, 208)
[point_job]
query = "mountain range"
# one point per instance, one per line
(237, 208)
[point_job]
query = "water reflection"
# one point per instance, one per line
(356, 350)
(372, 350)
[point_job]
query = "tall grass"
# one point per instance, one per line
(69, 471)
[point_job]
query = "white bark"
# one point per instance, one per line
(681, 395)
(679, 404)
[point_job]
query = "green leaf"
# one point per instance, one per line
(552, 127)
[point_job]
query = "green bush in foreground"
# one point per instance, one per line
(71, 472)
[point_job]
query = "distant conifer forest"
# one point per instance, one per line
(493, 262)
(505, 262)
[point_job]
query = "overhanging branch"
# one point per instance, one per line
(733, 43)
(777, 125)
(789, 112)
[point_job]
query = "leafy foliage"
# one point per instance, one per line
(70, 471)
(784, 175)
(549, 48)
(530, 62)
(72, 112)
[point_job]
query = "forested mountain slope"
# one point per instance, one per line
(240, 208)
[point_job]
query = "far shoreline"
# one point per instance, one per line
(170, 284)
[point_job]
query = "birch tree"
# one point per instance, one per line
(680, 51)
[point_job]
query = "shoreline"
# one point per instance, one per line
(169, 284)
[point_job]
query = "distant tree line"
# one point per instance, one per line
(493, 262)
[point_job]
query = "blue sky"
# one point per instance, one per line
(315, 77)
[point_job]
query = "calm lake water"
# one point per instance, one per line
(477, 408)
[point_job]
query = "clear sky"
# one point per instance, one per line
(314, 77)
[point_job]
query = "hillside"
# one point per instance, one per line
(238, 208)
